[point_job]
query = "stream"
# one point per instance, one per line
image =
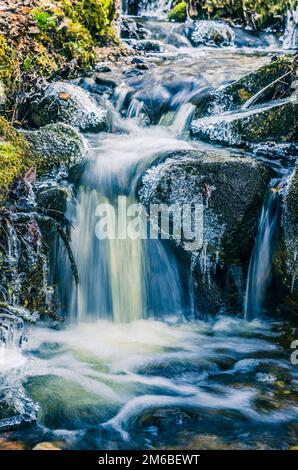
(131, 367)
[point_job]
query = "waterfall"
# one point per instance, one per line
(259, 273)
(290, 38)
(151, 8)
(122, 277)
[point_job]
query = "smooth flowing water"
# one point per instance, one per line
(128, 369)
(260, 268)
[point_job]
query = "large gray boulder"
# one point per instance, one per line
(275, 122)
(231, 189)
(64, 102)
(58, 145)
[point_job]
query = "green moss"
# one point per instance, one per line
(77, 43)
(179, 12)
(14, 156)
(241, 90)
(7, 61)
(259, 14)
(44, 20)
(95, 15)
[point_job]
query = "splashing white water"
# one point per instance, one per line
(290, 38)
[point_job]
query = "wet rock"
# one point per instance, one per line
(58, 145)
(145, 45)
(210, 33)
(20, 312)
(133, 72)
(102, 68)
(276, 122)
(70, 104)
(96, 90)
(54, 197)
(106, 81)
(16, 409)
(131, 29)
(230, 190)
(46, 446)
(234, 95)
(5, 444)
(286, 256)
(155, 97)
(286, 153)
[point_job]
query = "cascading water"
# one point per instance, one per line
(260, 266)
(119, 277)
(152, 8)
(290, 38)
(148, 379)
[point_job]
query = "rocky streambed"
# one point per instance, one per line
(187, 117)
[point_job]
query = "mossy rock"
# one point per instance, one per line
(275, 122)
(258, 14)
(57, 146)
(178, 12)
(70, 104)
(235, 94)
(286, 256)
(15, 156)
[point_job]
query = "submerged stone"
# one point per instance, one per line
(70, 104)
(276, 122)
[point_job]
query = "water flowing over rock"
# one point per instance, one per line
(276, 121)
(131, 29)
(236, 94)
(70, 104)
(58, 146)
(290, 38)
(286, 257)
(210, 33)
(231, 189)
(16, 409)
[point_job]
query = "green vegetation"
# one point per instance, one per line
(14, 156)
(7, 59)
(257, 13)
(179, 12)
(44, 20)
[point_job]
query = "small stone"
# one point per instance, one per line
(46, 446)
(64, 96)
